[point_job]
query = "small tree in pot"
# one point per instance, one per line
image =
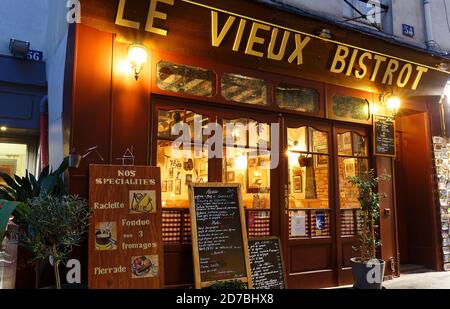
(368, 271)
(56, 225)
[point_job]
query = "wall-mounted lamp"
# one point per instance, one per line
(137, 56)
(19, 48)
(393, 103)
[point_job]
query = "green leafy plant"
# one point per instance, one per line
(228, 285)
(368, 215)
(56, 225)
(21, 189)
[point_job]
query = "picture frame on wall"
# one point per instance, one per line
(231, 176)
(164, 186)
(297, 184)
(170, 186)
(178, 187)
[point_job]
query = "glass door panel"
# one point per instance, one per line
(308, 183)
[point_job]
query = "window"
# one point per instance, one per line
(373, 13)
(352, 161)
(351, 108)
(308, 154)
(180, 167)
(186, 79)
(298, 99)
(13, 159)
(246, 162)
(244, 89)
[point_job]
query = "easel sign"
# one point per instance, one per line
(266, 262)
(219, 238)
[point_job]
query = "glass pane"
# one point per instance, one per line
(13, 159)
(259, 135)
(297, 140)
(252, 172)
(351, 108)
(186, 79)
(244, 89)
(359, 145)
(298, 99)
(236, 132)
(345, 144)
(350, 167)
(319, 141)
(196, 123)
(167, 120)
(178, 170)
(308, 181)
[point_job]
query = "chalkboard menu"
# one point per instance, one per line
(266, 263)
(384, 136)
(219, 238)
(125, 235)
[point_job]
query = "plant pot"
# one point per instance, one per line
(368, 275)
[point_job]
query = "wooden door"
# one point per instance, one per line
(308, 219)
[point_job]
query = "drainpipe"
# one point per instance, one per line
(428, 24)
(43, 134)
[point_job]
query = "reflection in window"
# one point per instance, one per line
(247, 160)
(180, 167)
(351, 108)
(186, 79)
(244, 89)
(298, 99)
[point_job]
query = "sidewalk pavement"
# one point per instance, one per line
(420, 279)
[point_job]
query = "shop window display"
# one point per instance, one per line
(186, 79)
(180, 166)
(298, 99)
(308, 161)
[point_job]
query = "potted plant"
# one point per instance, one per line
(56, 225)
(17, 191)
(368, 271)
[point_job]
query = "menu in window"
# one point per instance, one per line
(125, 235)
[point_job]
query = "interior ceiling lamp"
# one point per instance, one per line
(393, 103)
(137, 56)
(19, 48)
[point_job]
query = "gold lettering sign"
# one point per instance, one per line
(394, 72)
(153, 14)
(256, 44)
(266, 40)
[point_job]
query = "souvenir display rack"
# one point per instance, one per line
(441, 147)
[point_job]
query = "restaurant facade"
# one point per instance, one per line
(292, 101)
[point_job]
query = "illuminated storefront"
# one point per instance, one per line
(280, 93)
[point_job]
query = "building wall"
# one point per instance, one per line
(43, 23)
(23, 20)
(57, 31)
(410, 12)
